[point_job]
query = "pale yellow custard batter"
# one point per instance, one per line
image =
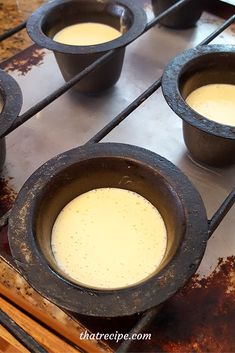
(215, 102)
(109, 238)
(87, 34)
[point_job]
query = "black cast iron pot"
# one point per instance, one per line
(208, 142)
(11, 99)
(82, 169)
(185, 17)
(123, 15)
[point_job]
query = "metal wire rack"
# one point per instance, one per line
(217, 218)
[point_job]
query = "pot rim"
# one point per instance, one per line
(119, 302)
(171, 91)
(12, 101)
(34, 28)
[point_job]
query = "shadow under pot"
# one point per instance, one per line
(10, 106)
(107, 165)
(209, 142)
(186, 17)
(122, 15)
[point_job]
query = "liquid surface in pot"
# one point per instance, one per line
(215, 102)
(87, 34)
(109, 238)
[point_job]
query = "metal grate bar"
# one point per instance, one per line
(125, 113)
(167, 12)
(57, 93)
(221, 213)
(146, 94)
(143, 323)
(96, 64)
(12, 31)
(149, 316)
(64, 88)
(215, 34)
(171, 9)
(23, 337)
(217, 218)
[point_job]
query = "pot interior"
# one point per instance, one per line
(72, 12)
(107, 172)
(217, 67)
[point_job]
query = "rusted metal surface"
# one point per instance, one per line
(198, 319)
(7, 196)
(32, 56)
(201, 317)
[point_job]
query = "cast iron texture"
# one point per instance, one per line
(11, 97)
(183, 18)
(85, 168)
(121, 14)
(208, 142)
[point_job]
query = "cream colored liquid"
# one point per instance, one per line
(215, 102)
(109, 238)
(87, 34)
